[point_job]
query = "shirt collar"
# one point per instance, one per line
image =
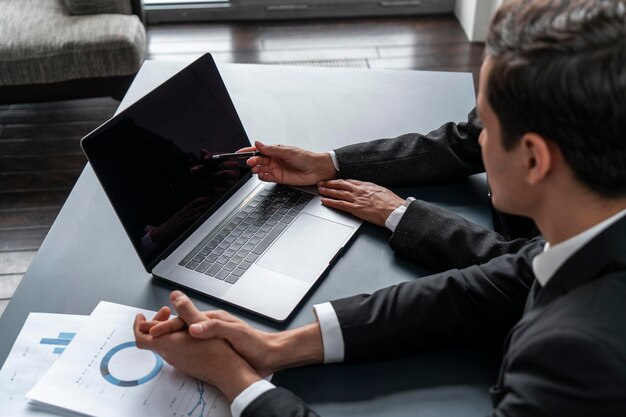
(546, 263)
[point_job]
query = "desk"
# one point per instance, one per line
(87, 257)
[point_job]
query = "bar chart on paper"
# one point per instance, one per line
(59, 343)
(41, 342)
(103, 373)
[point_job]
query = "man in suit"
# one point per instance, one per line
(553, 102)
(353, 179)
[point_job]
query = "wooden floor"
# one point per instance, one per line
(40, 156)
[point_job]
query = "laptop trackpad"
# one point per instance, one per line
(306, 247)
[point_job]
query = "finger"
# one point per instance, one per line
(174, 325)
(338, 204)
(356, 182)
(267, 177)
(261, 169)
(139, 318)
(149, 324)
(274, 150)
(222, 315)
(145, 326)
(211, 328)
(336, 194)
(337, 184)
(258, 160)
(185, 308)
(265, 173)
(247, 149)
(163, 314)
(202, 329)
(141, 338)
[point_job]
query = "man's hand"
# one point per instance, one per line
(213, 361)
(364, 200)
(265, 352)
(290, 165)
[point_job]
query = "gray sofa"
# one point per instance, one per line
(64, 49)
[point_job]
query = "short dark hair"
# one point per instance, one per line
(559, 70)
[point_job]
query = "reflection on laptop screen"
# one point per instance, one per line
(163, 177)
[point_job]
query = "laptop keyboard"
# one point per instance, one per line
(248, 234)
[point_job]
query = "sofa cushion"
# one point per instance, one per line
(78, 7)
(41, 43)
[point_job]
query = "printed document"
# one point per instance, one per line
(43, 339)
(102, 373)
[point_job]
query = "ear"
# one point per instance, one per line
(539, 157)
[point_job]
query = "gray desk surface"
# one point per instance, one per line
(87, 257)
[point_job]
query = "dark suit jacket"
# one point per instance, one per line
(565, 357)
(426, 232)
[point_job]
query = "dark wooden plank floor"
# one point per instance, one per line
(40, 156)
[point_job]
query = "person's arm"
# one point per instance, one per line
(434, 238)
(474, 304)
(530, 390)
(452, 151)
(439, 239)
(452, 308)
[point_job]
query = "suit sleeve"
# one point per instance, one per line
(439, 239)
(452, 151)
(278, 402)
(452, 308)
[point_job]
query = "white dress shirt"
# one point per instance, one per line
(248, 395)
(550, 260)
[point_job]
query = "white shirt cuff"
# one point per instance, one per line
(248, 395)
(394, 218)
(333, 157)
(332, 338)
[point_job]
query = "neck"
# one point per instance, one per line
(567, 217)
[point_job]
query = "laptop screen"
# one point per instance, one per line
(154, 159)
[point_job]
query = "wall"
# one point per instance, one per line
(474, 16)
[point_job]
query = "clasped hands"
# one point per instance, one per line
(211, 346)
(220, 349)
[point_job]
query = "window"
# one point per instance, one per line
(211, 10)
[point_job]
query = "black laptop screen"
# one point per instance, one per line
(154, 160)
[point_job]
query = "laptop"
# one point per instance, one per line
(204, 223)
